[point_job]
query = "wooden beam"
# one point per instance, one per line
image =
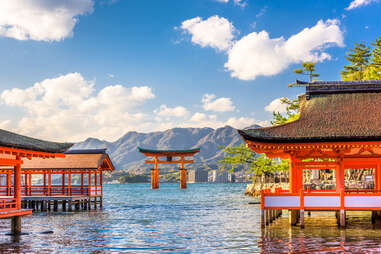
(169, 162)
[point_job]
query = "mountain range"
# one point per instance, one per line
(125, 156)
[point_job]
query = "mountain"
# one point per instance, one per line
(124, 151)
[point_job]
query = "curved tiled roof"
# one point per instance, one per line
(13, 140)
(169, 152)
(334, 111)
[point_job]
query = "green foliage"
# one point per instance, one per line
(254, 164)
(131, 178)
(292, 112)
(308, 70)
(365, 64)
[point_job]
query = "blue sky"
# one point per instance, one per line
(71, 69)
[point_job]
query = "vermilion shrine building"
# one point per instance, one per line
(339, 129)
(73, 180)
(14, 151)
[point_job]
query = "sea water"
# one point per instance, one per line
(204, 218)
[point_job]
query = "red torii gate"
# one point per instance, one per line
(169, 154)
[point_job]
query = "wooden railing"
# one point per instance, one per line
(55, 190)
(7, 204)
(321, 200)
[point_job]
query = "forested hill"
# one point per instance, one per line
(125, 155)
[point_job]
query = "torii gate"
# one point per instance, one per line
(169, 154)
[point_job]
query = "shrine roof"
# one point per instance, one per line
(13, 140)
(329, 112)
(169, 152)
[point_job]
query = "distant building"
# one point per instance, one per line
(197, 176)
(219, 176)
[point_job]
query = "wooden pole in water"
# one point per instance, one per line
(183, 175)
(155, 175)
(16, 220)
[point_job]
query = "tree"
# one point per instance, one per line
(292, 112)
(373, 71)
(308, 70)
(254, 164)
(359, 58)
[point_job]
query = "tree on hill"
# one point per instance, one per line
(308, 70)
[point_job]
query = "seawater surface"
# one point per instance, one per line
(205, 218)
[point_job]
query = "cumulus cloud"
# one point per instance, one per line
(165, 111)
(359, 3)
(41, 20)
(69, 108)
(257, 54)
(214, 32)
(276, 106)
(211, 103)
(240, 3)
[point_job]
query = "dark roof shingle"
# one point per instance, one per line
(13, 140)
(344, 115)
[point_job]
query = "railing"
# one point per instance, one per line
(7, 204)
(321, 200)
(55, 190)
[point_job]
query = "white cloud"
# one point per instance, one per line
(240, 3)
(257, 54)
(276, 106)
(165, 111)
(359, 3)
(69, 108)
(211, 103)
(41, 20)
(214, 32)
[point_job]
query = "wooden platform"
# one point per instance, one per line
(10, 214)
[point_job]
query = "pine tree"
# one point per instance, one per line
(359, 61)
(308, 70)
(373, 71)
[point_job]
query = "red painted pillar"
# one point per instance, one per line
(17, 183)
(82, 183)
(9, 182)
(30, 184)
(340, 181)
(89, 183)
(63, 184)
(49, 181)
(293, 175)
(69, 183)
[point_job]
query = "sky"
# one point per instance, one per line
(73, 69)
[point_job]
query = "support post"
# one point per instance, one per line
(293, 176)
(69, 183)
(63, 184)
(9, 182)
(30, 183)
(44, 188)
(49, 181)
(183, 178)
(155, 175)
(89, 183)
(16, 220)
(82, 183)
(301, 208)
(342, 209)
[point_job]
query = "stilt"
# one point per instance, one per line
(342, 218)
(55, 206)
(263, 218)
(183, 178)
(293, 217)
(77, 205)
(70, 206)
(16, 225)
(309, 213)
(101, 202)
(63, 205)
(302, 218)
(43, 206)
(89, 204)
(267, 212)
(374, 215)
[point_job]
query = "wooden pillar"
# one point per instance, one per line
(63, 184)
(293, 176)
(101, 183)
(16, 220)
(25, 183)
(44, 188)
(69, 183)
(301, 208)
(342, 209)
(293, 217)
(155, 175)
(89, 183)
(49, 181)
(82, 183)
(340, 181)
(377, 177)
(96, 182)
(9, 182)
(30, 183)
(183, 178)
(17, 184)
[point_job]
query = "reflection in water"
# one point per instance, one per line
(205, 218)
(321, 234)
